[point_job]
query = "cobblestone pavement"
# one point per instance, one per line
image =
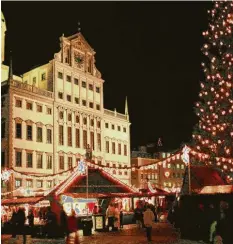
(162, 234)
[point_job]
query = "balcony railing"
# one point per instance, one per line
(31, 88)
(115, 114)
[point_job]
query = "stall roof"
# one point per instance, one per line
(30, 200)
(75, 179)
(217, 189)
(202, 176)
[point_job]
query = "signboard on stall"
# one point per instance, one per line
(44, 203)
(99, 222)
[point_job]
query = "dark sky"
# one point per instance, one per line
(149, 51)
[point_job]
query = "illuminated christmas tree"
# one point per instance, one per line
(214, 133)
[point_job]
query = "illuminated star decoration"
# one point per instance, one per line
(6, 175)
(151, 188)
(185, 155)
(82, 167)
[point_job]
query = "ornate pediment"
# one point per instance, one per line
(79, 42)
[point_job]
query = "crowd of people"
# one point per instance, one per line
(209, 223)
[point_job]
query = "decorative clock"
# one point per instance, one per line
(79, 60)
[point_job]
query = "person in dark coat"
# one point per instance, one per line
(121, 219)
(21, 218)
(51, 223)
(138, 216)
(30, 218)
(63, 222)
(13, 222)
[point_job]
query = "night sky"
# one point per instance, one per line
(148, 51)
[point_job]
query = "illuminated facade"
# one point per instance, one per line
(51, 113)
(168, 176)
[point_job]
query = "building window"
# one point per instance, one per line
(60, 95)
(39, 134)
(84, 103)
(107, 147)
(114, 172)
(18, 159)
(124, 129)
(3, 159)
(75, 81)
(39, 183)
(18, 183)
(106, 125)
(177, 166)
(97, 89)
(49, 161)
(99, 162)
(29, 183)
(3, 128)
(60, 75)
(120, 172)
(69, 117)
(97, 106)
(49, 111)
(18, 103)
(61, 135)
(98, 124)
(68, 97)
(29, 106)
(68, 78)
(113, 127)
(169, 166)
(125, 150)
(39, 108)
(34, 80)
(61, 162)
(84, 85)
(69, 134)
(92, 140)
(99, 141)
(77, 119)
(119, 148)
(43, 76)
(61, 115)
(29, 160)
(70, 162)
(126, 173)
(113, 148)
(92, 122)
(77, 138)
(84, 121)
(18, 130)
(85, 139)
(29, 132)
(49, 136)
(76, 100)
(182, 166)
(49, 184)
(91, 87)
(91, 105)
(118, 128)
(39, 161)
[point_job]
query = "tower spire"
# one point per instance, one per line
(79, 27)
(10, 68)
(126, 108)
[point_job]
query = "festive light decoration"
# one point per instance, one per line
(185, 155)
(6, 174)
(212, 137)
(152, 190)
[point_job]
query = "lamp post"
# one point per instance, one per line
(88, 158)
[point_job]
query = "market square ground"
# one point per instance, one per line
(162, 233)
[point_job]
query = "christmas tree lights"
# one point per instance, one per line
(213, 136)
